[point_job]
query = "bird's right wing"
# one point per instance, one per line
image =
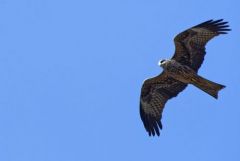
(154, 94)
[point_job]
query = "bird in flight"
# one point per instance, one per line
(178, 72)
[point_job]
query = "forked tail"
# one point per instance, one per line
(207, 86)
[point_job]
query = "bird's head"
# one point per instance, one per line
(162, 62)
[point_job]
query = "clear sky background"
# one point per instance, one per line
(71, 74)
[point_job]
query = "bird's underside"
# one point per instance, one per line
(178, 72)
(187, 75)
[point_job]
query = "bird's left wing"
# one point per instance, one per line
(154, 94)
(190, 44)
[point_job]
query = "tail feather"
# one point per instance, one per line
(207, 86)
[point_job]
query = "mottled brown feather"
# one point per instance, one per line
(190, 44)
(154, 94)
(190, 51)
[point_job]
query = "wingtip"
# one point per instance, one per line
(152, 135)
(219, 26)
(160, 124)
(149, 133)
(154, 129)
(219, 20)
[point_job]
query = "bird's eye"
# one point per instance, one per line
(162, 61)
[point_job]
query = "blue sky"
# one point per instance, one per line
(71, 74)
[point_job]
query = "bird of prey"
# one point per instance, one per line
(178, 72)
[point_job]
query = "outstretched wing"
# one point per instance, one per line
(190, 44)
(154, 94)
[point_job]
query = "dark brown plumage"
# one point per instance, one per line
(178, 72)
(190, 44)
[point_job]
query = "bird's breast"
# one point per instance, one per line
(180, 72)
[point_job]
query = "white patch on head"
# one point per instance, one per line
(162, 62)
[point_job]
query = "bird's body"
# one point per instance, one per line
(178, 72)
(187, 75)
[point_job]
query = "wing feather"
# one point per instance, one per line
(154, 94)
(190, 44)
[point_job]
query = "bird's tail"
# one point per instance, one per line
(207, 86)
